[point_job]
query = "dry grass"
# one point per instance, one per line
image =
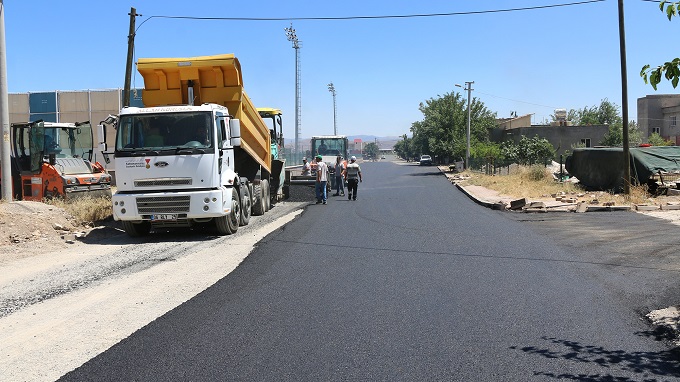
(87, 210)
(537, 182)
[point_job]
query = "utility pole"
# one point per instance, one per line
(468, 87)
(331, 89)
(624, 100)
(4, 113)
(130, 53)
(292, 37)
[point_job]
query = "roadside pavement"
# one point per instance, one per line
(554, 203)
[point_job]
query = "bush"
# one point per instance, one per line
(536, 173)
(86, 210)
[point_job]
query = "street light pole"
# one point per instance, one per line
(468, 87)
(331, 89)
(292, 37)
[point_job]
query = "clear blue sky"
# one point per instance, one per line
(529, 61)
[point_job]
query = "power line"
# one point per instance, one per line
(515, 100)
(377, 17)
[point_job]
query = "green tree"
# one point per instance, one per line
(657, 140)
(371, 150)
(607, 113)
(404, 148)
(443, 130)
(534, 150)
(489, 152)
(670, 69)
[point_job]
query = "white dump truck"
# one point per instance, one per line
(198, 152)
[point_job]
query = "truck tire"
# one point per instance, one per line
(258, 200)
(226, 225)
(246, 204)
(267, 195)
(136, 229)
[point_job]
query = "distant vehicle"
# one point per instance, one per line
(425, 160)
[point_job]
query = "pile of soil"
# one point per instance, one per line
(30, 227)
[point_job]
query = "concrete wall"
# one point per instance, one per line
(655, 111)
(561, 137)
(73, 106)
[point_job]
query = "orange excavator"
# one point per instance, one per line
(55, 160)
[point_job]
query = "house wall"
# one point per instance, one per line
(561, 137)
(656, 111)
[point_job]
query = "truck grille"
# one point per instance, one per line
(163, 204)
(162, 182)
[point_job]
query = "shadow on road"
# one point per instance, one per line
(648, 365)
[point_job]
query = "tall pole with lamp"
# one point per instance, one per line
(292, 37)
(468, 87)
(331, 89)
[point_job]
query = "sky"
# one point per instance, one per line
(528, 61)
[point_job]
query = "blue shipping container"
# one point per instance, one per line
(42, 102)
(47, 117)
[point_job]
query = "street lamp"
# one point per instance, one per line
(468, 87)
(292, 37)
(331, 89)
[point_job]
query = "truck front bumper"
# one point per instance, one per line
(172, 206)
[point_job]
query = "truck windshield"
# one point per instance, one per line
(329, 146)
(164, 131)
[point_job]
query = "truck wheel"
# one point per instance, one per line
(246, 205)
(267, 195)
(136, 229)
(226, 225)
(258, 205)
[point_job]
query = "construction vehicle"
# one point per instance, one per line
(329, 147)
(198, 152)
(51, 160)
(278, 191)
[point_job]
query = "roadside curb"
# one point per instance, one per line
(500, 206)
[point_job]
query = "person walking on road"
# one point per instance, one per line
(339, 170)
(321, 180)
(353, 176)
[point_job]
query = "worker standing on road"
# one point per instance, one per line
(339, 169)
(321, 180)
(306, 168)
(353, 176)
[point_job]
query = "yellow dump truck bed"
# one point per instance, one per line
(216, 79)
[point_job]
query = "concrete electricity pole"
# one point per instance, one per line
(4, 113)
(130, 52)
(468, 87)
(624, 100)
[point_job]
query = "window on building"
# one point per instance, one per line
(673, 120)
(585, 142)
(656, 130)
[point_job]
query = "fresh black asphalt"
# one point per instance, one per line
(416, 282)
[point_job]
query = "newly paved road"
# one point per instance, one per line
(415, 282)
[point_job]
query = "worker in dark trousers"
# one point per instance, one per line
(353, 176)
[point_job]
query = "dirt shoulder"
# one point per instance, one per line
(662, 207)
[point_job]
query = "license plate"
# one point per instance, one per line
(164, 217)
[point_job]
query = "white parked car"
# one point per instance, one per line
(425, 160)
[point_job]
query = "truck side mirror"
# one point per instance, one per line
(235, 132)
(101, 134)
